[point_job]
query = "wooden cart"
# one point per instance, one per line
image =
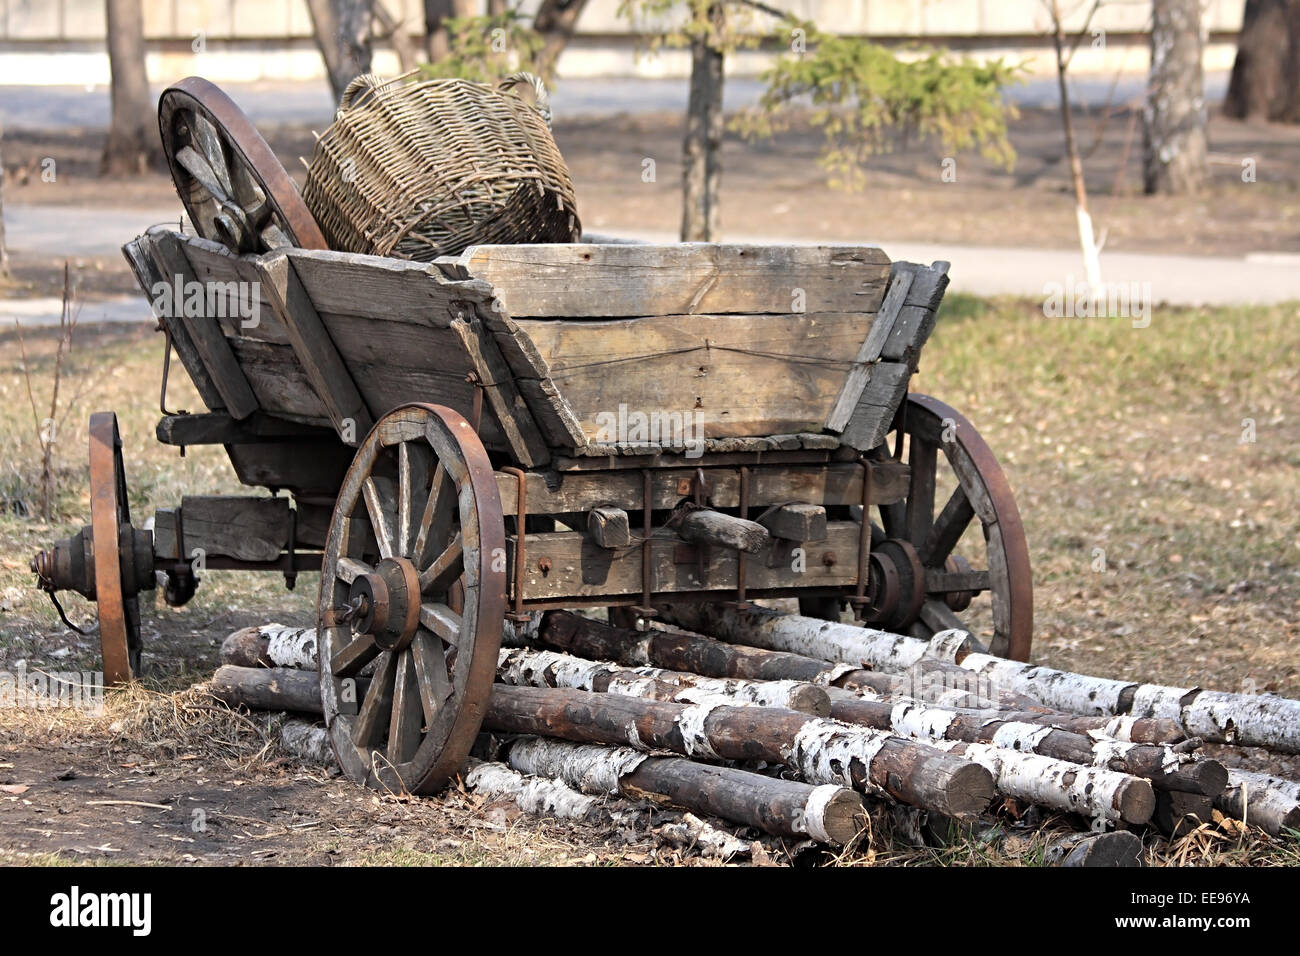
(460, 445)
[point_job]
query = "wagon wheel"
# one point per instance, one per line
(118, 565)
(412, 596)
(919, 538)
(234, 189)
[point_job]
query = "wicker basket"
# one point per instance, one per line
(417, 169)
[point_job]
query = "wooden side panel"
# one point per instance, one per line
(580, 568)
(586, 280)
(727, 375)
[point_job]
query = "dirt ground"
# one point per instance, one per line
(1165, 546)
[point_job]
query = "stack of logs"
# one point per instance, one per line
(784, 723)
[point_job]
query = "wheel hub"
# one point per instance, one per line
(385, 603)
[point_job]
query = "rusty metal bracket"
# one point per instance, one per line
(517, 614)
(860, 600)
(476, 416)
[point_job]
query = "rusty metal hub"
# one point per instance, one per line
(385, 603)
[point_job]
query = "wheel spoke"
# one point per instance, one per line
(208, 140)
(372, 719)
(349, 569)
(405, 487)
(404, 726)
(203, 174)
(442, 620)
(946, 530)
(377, 504)
(436, 522)
(354, 655)
(431, 669)
(447, 567)
(920, 493)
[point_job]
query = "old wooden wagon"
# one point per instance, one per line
(458, 445)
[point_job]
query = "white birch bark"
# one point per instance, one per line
(1251, 720)
(811, 637)
(542, 796)
(1261, 800)
(290, 646)
(307, 741)
(1060, 690)
(523, 666)
(1089, 791)
(591, 768)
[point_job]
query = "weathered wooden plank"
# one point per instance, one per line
(583, 280)
(278, 382)
(319, 357)
(661, 378)
(580, 568)
(140, 256)
(205, 332)
(916, 319)
(247, 528)
(832, 484)
(218, 428)
(244, 310)
(503, 398)
(847, 400)
(886, 390)
(405, 292)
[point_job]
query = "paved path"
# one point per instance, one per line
(1255, 278)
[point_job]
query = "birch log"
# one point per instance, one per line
(530, 668)
(542, 796)
(1268, 802)
(827, 814)
(307, 741)
(271, 645)
(691, 653)
(1091, 791)
(929, 679)
(1166, 768)
(822, 751)
(1260, 720)
(267, 688)
(811, 637)
(1251, 720)
(938, 680)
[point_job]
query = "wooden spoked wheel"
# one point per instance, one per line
(118, 565)
(412, 601)
(234, 189)
(956, 480)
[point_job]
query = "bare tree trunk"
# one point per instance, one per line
(1174, 117)
(1265, 80)
(556, 21)
(497, 8)
(702, 148)
(437, 43)
(397, 34)
(436, 46)
(342, 32)
(132, 145)
(1087, 239)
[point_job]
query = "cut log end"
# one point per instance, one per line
(1137, 801)
(968, 788)
(843, 817)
